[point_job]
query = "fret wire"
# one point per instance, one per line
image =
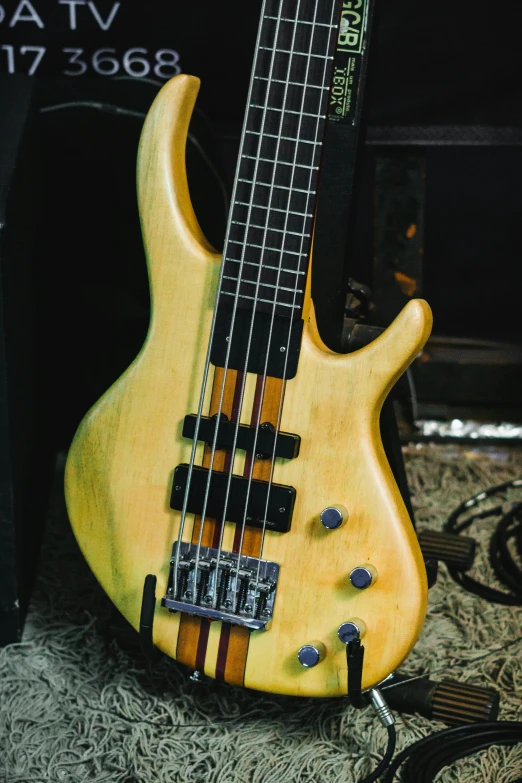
(242, 280)
(266, 266)
(251, 205)
(279, 230)
(276, 209)
(281, 187)
(284, 138)
(274, 50)
(302, 21)
(265, 301)
(303, 54)
(281, 162)
(289, 111)
(294, 84)
(265, 247)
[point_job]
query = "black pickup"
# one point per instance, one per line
(286, 444)
(280, 501)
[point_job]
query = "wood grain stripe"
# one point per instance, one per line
(193, 632)
(193, 636)
(238, 637)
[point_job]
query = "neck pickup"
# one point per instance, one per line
(267, 442)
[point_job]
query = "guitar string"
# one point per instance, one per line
(210, 343)
(281, 259)
(272, 322)
(233, 319)
(263, 241)
(332, 30)
(203, 516)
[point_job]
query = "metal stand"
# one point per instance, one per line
(148, 607)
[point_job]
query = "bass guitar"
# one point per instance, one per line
(238, 459)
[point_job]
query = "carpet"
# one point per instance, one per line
(75, 707)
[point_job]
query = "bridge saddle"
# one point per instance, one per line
(234, 588)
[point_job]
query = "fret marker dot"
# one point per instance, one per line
(282, 349)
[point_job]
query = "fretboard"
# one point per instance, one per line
(269, 234)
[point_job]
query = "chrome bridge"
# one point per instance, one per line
(237, 589)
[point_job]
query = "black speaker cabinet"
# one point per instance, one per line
(23, 468)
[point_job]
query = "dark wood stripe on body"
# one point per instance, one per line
(193, 631)
(234, 643)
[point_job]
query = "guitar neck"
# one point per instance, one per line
(270, 225)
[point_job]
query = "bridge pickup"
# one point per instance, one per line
(280, 499)
(286, 444)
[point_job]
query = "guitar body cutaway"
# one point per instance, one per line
(121, 463)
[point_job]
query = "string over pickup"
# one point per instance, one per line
(286, 444)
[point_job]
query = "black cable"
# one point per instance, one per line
(427, 757)
(508, 528)
(384, 764)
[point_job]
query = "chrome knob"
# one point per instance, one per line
(351, 630)
(311, 654)
(363, 577)
(333, 517)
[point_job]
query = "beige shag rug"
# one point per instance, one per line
(75, 708)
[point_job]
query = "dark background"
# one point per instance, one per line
(432, 64)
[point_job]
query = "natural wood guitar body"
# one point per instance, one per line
(120, 466)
